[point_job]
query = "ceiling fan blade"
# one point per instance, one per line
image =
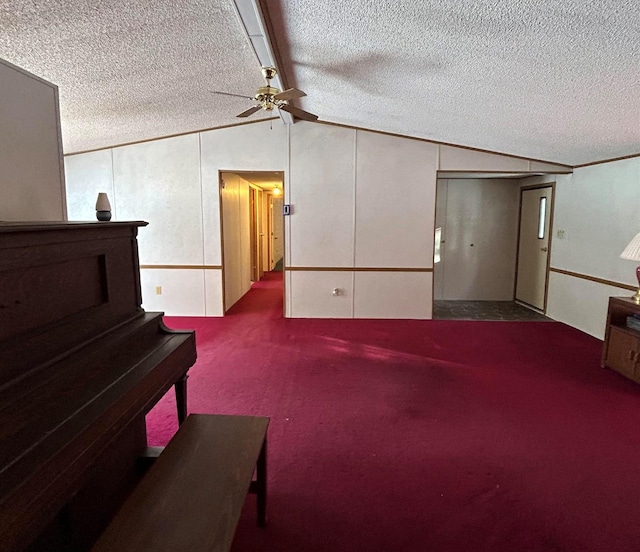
(229, 94)
(301, 114)
(250, 111)
(289, 94)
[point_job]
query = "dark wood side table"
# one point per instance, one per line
(621, 350)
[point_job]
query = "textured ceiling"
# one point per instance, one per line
(557, 80)
(133, 70)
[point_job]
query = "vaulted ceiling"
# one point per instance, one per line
(557, 80)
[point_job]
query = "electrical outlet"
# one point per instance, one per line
(158, 290)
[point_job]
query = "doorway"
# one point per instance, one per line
(276, 232)
(534, 242)
(252, 229)
(476, 229)
(476, 248)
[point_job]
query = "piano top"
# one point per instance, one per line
(39, 226)
(61, 285)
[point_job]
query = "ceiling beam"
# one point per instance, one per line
(255, 27)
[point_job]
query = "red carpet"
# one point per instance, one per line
(422, 435)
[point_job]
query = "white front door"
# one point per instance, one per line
(533, 246)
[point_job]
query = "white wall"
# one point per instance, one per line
(31, 166)
(362, 202)
(395, 190)
(597, 210)
(91, 173)
(158, 182)
(479, 220)
(362, 213)
(321, 190)
(580, 303)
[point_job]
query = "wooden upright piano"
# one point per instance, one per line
(81, 363)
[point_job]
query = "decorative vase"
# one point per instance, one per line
(103, 207)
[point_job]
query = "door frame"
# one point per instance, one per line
(523, 189)
(273, 214)
(221, 219)
(253, 231)
(256, 199)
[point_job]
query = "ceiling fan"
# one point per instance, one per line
(270, 98)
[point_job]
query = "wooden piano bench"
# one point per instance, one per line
(192, 496)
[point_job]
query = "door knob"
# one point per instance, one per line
(543, 249)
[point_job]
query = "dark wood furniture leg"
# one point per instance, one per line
(259, 486)
(261, 474)
(181, 398)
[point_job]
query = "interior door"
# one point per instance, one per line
(533, 246)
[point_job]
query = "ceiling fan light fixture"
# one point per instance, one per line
(270, 98)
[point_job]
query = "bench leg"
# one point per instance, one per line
(181, 398)
(261, 484)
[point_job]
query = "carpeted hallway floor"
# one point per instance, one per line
(422, 435)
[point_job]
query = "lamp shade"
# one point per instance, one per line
(103, 202)
(632, 251)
